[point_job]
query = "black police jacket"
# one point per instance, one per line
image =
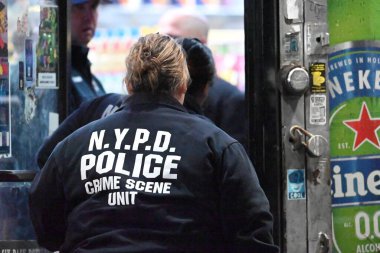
(89, 111)
(150, 178)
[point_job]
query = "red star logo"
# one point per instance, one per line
(365, 128)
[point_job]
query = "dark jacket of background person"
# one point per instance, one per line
(84, 85)
(151, 177)
(225, 106)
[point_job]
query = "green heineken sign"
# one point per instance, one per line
(354, 95)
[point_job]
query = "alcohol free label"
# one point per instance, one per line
(356, 229)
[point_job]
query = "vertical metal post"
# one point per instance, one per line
(261, 54)
(292, 113)
(285, 44)
(64, 8)
(316, 42)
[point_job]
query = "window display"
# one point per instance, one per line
(29, 103)
(123, 21)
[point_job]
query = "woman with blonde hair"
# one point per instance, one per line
(151, 177)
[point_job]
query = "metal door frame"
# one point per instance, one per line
(263, 101)
(298, 225)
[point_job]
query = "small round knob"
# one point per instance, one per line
(296, 80)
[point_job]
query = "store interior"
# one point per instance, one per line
(121, 22)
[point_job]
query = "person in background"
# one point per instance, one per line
(83, 84)
(151, 177)
(201, 66)
(225, 104)
(202, 70)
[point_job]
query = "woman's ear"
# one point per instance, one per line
(129, 88)
(180, 96)
(183, 88)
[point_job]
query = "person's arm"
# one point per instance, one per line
(246, 218)
(87, 112)
(73, 122)
(47, 208)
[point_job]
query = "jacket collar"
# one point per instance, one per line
(142, 100)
